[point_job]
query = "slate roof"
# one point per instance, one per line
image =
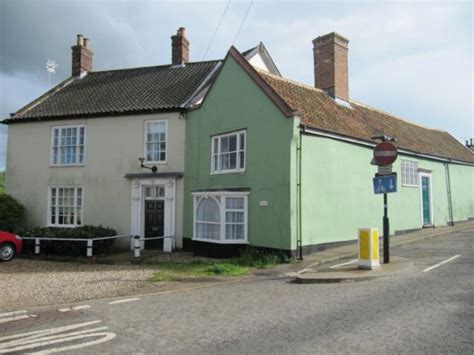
(320, 111)
(121, 91)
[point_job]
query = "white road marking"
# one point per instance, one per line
(82, 306)
(51, 330)
(12, 319)
(64, 310)
(125, 300)
(441, 263)
(9, 314)
(343, 264)
(40, 338)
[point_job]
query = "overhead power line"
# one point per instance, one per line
(217, 29)
(243, 21)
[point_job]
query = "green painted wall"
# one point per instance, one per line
(338, 198)
(462, 191)
(233, 103)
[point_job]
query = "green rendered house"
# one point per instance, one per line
(278, 164)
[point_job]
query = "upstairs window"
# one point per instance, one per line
(68, 144)
(409, 173)
(155, 141)
(220, 217)
(65, 206)
(228, 153)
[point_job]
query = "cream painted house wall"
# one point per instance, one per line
(113, 146)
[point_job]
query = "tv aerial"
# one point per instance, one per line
(51, 66)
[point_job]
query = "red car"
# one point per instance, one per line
(10, 245)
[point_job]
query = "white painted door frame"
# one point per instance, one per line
(137, 226)
(430, 177)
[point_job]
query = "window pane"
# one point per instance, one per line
(232, 143)
(224, 144)
(242, 160)
(234, 203)
(208, 231)
(233, 160)
(234, 217)
(208, 210)
(242, 141)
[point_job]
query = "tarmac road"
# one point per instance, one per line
(417, 312)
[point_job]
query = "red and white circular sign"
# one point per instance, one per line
(385, 153)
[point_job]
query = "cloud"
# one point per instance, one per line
(413, 59)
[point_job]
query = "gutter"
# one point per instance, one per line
(362, 142)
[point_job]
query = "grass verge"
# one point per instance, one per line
(175, 271)
(248, 259)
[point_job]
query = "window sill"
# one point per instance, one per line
(64, 225)
(227, 172)
(233, 241)
(415, 186)
(66, 165)
(155, 162)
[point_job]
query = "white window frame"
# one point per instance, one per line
(56, 224)
(145, 151)
(219, 137)
(51, 153)
(404, 172)
(222, 203)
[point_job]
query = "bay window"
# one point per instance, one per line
(220, 217)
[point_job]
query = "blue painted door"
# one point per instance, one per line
(425, 197)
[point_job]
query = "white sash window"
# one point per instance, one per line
(65, 206)
(228, 153)
(156, 134)
(68, 145)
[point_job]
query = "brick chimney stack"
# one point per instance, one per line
(179, 48)
(81, 56)
(331, 65)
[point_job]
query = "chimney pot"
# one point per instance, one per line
(81, 56)
(179, 47)
(331, 65)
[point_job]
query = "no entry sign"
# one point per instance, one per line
(385, 153)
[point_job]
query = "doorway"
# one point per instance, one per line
(154, 223)
(426, 200)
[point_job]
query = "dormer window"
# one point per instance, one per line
(68, 145)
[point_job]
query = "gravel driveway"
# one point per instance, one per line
(27, 283)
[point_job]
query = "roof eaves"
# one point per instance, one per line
(369, 143)
(39, 100)
(282, 105)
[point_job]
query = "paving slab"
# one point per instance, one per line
(351, 272)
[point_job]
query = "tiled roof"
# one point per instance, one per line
(320, 111)
(109, 92)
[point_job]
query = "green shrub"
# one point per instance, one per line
(11, 213)
(69, 248)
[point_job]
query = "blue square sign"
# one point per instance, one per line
(385, 184)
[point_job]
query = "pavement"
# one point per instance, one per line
(314, 268)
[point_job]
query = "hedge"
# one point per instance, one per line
(69, 248)
(11, 213)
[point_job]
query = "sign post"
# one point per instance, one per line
(385, 153)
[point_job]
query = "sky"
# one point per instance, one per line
(412, 59)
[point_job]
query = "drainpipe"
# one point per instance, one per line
(448, 190)
(299, 187)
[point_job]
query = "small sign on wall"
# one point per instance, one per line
(263, 203)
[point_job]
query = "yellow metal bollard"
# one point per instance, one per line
(368, 248)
